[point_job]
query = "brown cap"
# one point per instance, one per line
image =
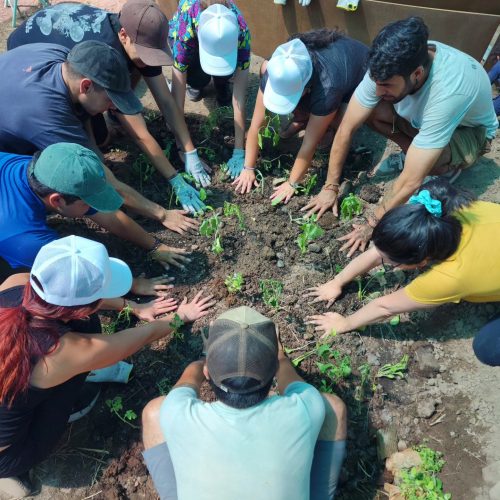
(242, 343)
(147, 27)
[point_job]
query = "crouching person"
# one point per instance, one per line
(248, 444)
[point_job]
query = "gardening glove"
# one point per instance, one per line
(187, 195)
(196, 168)
(236, 163)
(304, 3)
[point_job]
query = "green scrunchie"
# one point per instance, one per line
(434, 207)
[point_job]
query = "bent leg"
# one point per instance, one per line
(486, 343)
(330, 449)
(156, 454)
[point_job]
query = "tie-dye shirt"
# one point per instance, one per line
(183, 29)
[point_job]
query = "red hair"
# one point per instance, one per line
(27, 332)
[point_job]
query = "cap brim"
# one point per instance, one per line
(126, 102)
(280, 104)
(218, 65)
(154, 57)
(107, 200)
(120, 280)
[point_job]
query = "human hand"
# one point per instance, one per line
(150, 310)
(236, 163)
(188, 197)
(151, 286)
(176, 220)
(328, 292)
(282, 193)
(330, 323)
(198, 307)
(167, 256)
(244, 183)
(325, 199)
(358, 238)
(197, 168)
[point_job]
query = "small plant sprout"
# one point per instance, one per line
(115, 406)
(350, 207)
(232, 209)
(217, 247)
(270, 130)
(142, 169)
(211, 227)
(203, 194)
(176, 324)
(310, 232)
(394, 371)
(333, 365)
(378, 276)
(234, 282)
(308, 185)
(271, 292)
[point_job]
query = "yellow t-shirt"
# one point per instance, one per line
(472, 273)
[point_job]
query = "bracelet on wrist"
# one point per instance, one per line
(249, 168)
(156, 245)
(331, 186)
(294, 185)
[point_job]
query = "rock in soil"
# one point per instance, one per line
(268, 253)
(314, 247)
(402, 460)
(426, 408)
(402, 445)
(427, 362)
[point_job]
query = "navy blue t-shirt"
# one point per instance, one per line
(36, 107)
(23, 225)
(67, 24)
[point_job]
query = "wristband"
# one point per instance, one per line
(294, 185)
(156, 245)
(249, 168)
(331, 186)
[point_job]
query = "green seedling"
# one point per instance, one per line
(335, 366)
(310, 232)
(422, 482)
(364, 372)
(214, 119)
(142, 169)
(176, 324)
(308, 186)
(232, 209)
(115, 406)
(270, 130)
(123, 317)
(394, 371)
(259, 177)
(217, 247)
(271, 292)
(203, 194)
(350, 207)
(378, 276)
(210, 226)
(234, 282)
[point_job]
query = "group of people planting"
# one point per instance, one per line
(69, 73)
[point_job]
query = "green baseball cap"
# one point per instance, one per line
(73, 169)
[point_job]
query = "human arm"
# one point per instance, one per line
(354, 117)
(331, 290)
(151, 286)
(377, 310)
(179, 81)
(315, 129)
(286, 373)
(239, 97)
(192, 376)
(146, 311)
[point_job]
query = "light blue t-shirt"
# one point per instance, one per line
(264, 452)
(456, 93)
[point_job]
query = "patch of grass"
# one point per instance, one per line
(310, 232)
(234, 282)
(271, 292)
(350, 207)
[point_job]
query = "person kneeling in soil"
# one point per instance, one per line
(441, 227)
(67, 179)
(140, 34)
(46, 357)
(432, 100)
(249, 444)
(313, 76)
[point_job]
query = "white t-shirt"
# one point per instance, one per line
(456, 93)
(264, 452)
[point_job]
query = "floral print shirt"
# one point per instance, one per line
(183, 29)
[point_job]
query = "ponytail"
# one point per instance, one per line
(412, 233)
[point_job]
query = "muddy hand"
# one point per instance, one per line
(176, 220)
(168, 256)
(320, 203)
(151, 286)
(329, 323)
(198, 307)
(358, 238)
(151, 310)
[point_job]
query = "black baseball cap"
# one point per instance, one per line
(105, 66)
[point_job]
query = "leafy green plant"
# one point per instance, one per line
(217, 247)
(350, 206)
(394, 371)
(271, 292)
(270, 130)
(176, 324)
(365, 373)
(234, 282)
(123, 318)
(333, 365)
(211, 227)
(310, 232)
(214, 119)
(115, 406)
(232, 209)
(308, 185)
(422, 482)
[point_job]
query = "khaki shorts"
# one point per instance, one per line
(467, 143)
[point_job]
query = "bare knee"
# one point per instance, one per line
(151, 430)
(335, 424)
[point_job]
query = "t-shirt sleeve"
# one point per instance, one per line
(365, 92)
(312, 400)
(173, 409)
(434, 287)
(440, 119)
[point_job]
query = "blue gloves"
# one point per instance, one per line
(236, 163)
(188, 197)
(196, 168)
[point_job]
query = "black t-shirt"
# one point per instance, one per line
(337, 71)
(67, 24)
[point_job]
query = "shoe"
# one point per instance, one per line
(392, 165)
(89, 393)
(451, 176)
(223, 95)
(194, 95)
(16, 486)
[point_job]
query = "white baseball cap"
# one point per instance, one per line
(75, 271)
(288, 71)
(218, 32)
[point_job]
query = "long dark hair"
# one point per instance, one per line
(318, 39)
(409, 234)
